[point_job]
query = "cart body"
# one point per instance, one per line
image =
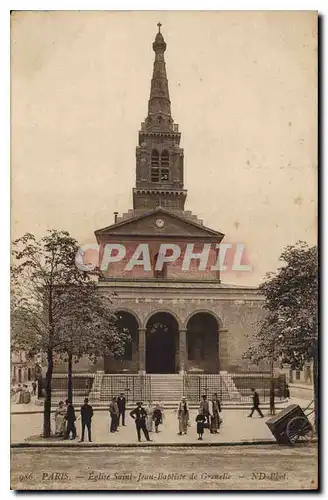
(289, 425)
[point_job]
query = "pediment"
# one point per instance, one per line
(159, 222)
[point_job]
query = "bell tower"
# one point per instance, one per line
(159, 158)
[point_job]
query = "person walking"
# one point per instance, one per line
(70, 418)
(256, 404)
(157, 417)
(183, 416)
(200, 419)
(86, 417)
(113, 412)
(139, 415)
(34, 386)
(204, 407)
(286, 391)
(121, 403)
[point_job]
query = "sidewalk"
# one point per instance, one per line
(236, 428)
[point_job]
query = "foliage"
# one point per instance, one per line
(56, 308)
(289, 330)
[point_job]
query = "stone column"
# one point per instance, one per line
(182, 351)
(223, 351)
(142, 351)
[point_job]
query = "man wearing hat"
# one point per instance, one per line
(139, 415)
(204, 408)
(183, 416)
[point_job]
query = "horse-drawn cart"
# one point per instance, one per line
(292, 425)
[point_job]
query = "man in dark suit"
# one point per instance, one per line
(139, 415)
(86, 417)
(204, 408)
(256, 404)
(113, 413)
(121, 403)
(70, 417)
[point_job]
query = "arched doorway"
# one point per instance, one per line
(162, 333)
(203, 342)
(128, 323)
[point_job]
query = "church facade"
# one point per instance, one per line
(180, 320)
(180, 316)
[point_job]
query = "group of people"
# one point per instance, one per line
(146, 419)
(208, 416)
(21, 393)
(65, 419)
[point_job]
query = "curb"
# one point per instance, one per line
(39, 444)
(105, 408)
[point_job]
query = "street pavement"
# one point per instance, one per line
(166, 468)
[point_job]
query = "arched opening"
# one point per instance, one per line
(165, 165)
(127, 323)
(19, 375)
(162, 332)
(203, 342)
(154, 175)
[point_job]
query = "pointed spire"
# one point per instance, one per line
(159, 106)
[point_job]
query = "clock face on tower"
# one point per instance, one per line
(159, 223)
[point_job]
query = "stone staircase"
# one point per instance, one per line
(229, 391)
(166, 387)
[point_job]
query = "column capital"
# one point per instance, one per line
(142, 329)
(182, 329)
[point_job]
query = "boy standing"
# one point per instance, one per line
(200, 419)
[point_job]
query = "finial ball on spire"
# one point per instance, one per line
(159, 24)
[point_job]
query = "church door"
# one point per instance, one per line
(161, 343)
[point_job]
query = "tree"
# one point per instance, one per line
(89, 328)
(56, 308)
(288, 333)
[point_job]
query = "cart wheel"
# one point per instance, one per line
(299, 430)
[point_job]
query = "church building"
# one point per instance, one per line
(182, 319)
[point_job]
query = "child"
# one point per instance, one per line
(157, 416)
(200, 419)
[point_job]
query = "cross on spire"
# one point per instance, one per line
(159, 26)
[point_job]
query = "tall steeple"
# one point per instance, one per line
(159, 169)
(159, 105)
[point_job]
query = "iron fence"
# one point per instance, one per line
(229, 387)
(134, 387)
(81, 383)
(233, 387)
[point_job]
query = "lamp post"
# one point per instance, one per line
(272, 402)
(272, 384)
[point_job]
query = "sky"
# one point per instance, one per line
(243, 88)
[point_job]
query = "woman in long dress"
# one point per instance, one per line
(214, 413)
(183, 416)
(60, 419)
(149, 418)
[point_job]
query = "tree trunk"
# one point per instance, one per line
(47, 401)
(70, 378)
